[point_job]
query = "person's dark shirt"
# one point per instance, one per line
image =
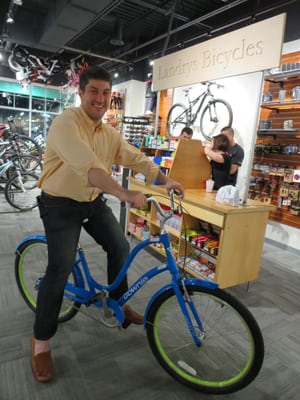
(236, 153)
(220, 171)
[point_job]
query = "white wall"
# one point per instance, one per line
(243, 93)
(134, 92)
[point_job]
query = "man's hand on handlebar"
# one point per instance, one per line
(170, 183)
(178, 188)
(134, 198)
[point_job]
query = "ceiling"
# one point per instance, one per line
(123, 35)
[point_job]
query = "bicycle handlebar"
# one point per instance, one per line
(163, 213)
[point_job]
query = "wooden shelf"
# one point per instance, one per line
(274, 132)
(241, 230)
(280, 105)
(278, 112)
(282, 76)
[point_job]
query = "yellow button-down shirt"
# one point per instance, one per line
(75, 144)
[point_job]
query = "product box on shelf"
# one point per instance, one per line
(296, 93)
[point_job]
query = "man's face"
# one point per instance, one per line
(95, 98)
(230, 137)
(184, 135)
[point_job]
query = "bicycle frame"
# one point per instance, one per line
(5, 167)
(191, 117)
(88, 291)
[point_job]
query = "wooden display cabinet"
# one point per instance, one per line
(277, 150)
(241, 229)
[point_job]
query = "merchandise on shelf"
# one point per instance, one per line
(135, 128)
(276, 164)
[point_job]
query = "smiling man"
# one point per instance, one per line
(79, 155)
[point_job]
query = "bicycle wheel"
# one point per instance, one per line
(26, 145)
(30, 265)
(176, 119)
(21, 191)
(28, 163)
(232, 349)
(216, 115)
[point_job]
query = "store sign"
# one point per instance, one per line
(254, 48)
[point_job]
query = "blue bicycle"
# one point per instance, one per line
(201, 335)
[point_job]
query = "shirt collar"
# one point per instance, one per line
(89, 121)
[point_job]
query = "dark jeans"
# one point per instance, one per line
(63, 219)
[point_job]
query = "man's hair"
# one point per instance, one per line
(187, 130)
(221, 142)
(228, 129)
(93, 72)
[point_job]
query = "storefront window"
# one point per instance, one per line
(20, 119)
(32, 108)
(40, 123)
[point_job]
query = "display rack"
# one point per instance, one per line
(276, 163)
(135, 128)
(237, 232)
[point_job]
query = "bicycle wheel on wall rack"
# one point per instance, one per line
(216, 115)
(176, 119)
(30, 265)
(21, 191)
(232, 349)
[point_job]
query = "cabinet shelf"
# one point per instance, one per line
(241, 232)
(195, 273)
(170, 230)
(280, 77)
(280, 105)
(274, 132)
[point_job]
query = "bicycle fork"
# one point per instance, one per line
(20, 181)
(190, 314)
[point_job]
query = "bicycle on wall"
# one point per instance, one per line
(201, 335)
(212, 113)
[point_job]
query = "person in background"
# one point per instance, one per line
(220, 160)
(236, 153)
(79, 155)
(186, 133)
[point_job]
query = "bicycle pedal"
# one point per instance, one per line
(126, 323)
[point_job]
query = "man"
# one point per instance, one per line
(79, 155)
(236, 153)
(186, 133)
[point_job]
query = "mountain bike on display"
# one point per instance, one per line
(201, 335)
(212, 114)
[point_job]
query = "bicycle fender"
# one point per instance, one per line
(28, 238)
(190, 281)
(201, 282)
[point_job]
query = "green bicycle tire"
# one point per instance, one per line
(231, 354)
(30, 265)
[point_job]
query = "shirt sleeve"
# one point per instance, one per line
(132, 158)
(237, 156)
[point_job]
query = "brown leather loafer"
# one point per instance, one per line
(131, 316)
(42, 365)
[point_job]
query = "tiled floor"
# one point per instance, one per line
(92, 361)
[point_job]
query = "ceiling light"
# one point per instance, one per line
(117, 39)
(116, 74)
(18, 2)
(9, 19)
